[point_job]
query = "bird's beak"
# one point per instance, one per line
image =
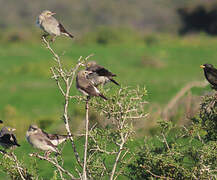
(53, 13)
(202, 66)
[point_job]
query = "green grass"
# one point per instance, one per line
(29, 95)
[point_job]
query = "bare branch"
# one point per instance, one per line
(86, 141)
(55, 164)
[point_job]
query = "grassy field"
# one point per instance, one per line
(161, 62)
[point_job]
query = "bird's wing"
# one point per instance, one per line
(214, 72)
(9, 139)
(101, 71)
(88, 87)
(56, 136)
(63, 30)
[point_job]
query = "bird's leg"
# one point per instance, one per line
(47, 153)
(88, 98)
(53, 38)
(44, 36)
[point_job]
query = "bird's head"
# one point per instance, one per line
(7, 130)
(47, 13)
(33, 129)
(84, 73)
(90, 64)
(206, 66)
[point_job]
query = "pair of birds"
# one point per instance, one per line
(211, 74)
(94, 75)
(35, 136)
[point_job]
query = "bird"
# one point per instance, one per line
(211, 74)
(100, 75)
(51, 26)
(44, 141)
(85, 86)
(7, 138)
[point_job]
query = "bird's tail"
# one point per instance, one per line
(69, 35)
(63, 31)
(112, 80)
(102, 96)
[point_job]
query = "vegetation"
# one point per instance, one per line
(163, 63)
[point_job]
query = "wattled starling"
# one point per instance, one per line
(211, 74)
(50, 25)
(7, 138)
(40, 140)
(99, 74)
(85, 86)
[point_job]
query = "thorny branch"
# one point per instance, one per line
(126, 106)
(22, 172)
(53, 161)
(67, 78)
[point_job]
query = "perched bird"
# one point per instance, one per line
(7, 138)
(211, 74)
(99, 74)
(85, 86)
(42, 140)
(50, 25)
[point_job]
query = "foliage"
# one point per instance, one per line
(179, 153)
(207, 119)
(109, 147)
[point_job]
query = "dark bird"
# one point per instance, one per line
(99, 74)
(85, 86)
(7, 138)
(50, 25)
(211, 74)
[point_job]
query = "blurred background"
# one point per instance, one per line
(157, 44)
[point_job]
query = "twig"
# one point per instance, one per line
(117, 157)
(55, 164)
(161, 177)
(86, 141)
(18, 166)
(165, 141)
(68, 83)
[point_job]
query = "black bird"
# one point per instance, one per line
(211, 74)
(7, 138)
(99, 74)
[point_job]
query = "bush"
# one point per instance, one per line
(180, 153)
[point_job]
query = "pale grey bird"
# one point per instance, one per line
(85, 86)
(99, 74)
(7, 138)
(42, 140)
(50, 25)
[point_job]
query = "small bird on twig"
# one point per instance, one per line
(99, 74)
(85, 86)
(50, 25)
(7, 138)
(44, 141)
(211, 74)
